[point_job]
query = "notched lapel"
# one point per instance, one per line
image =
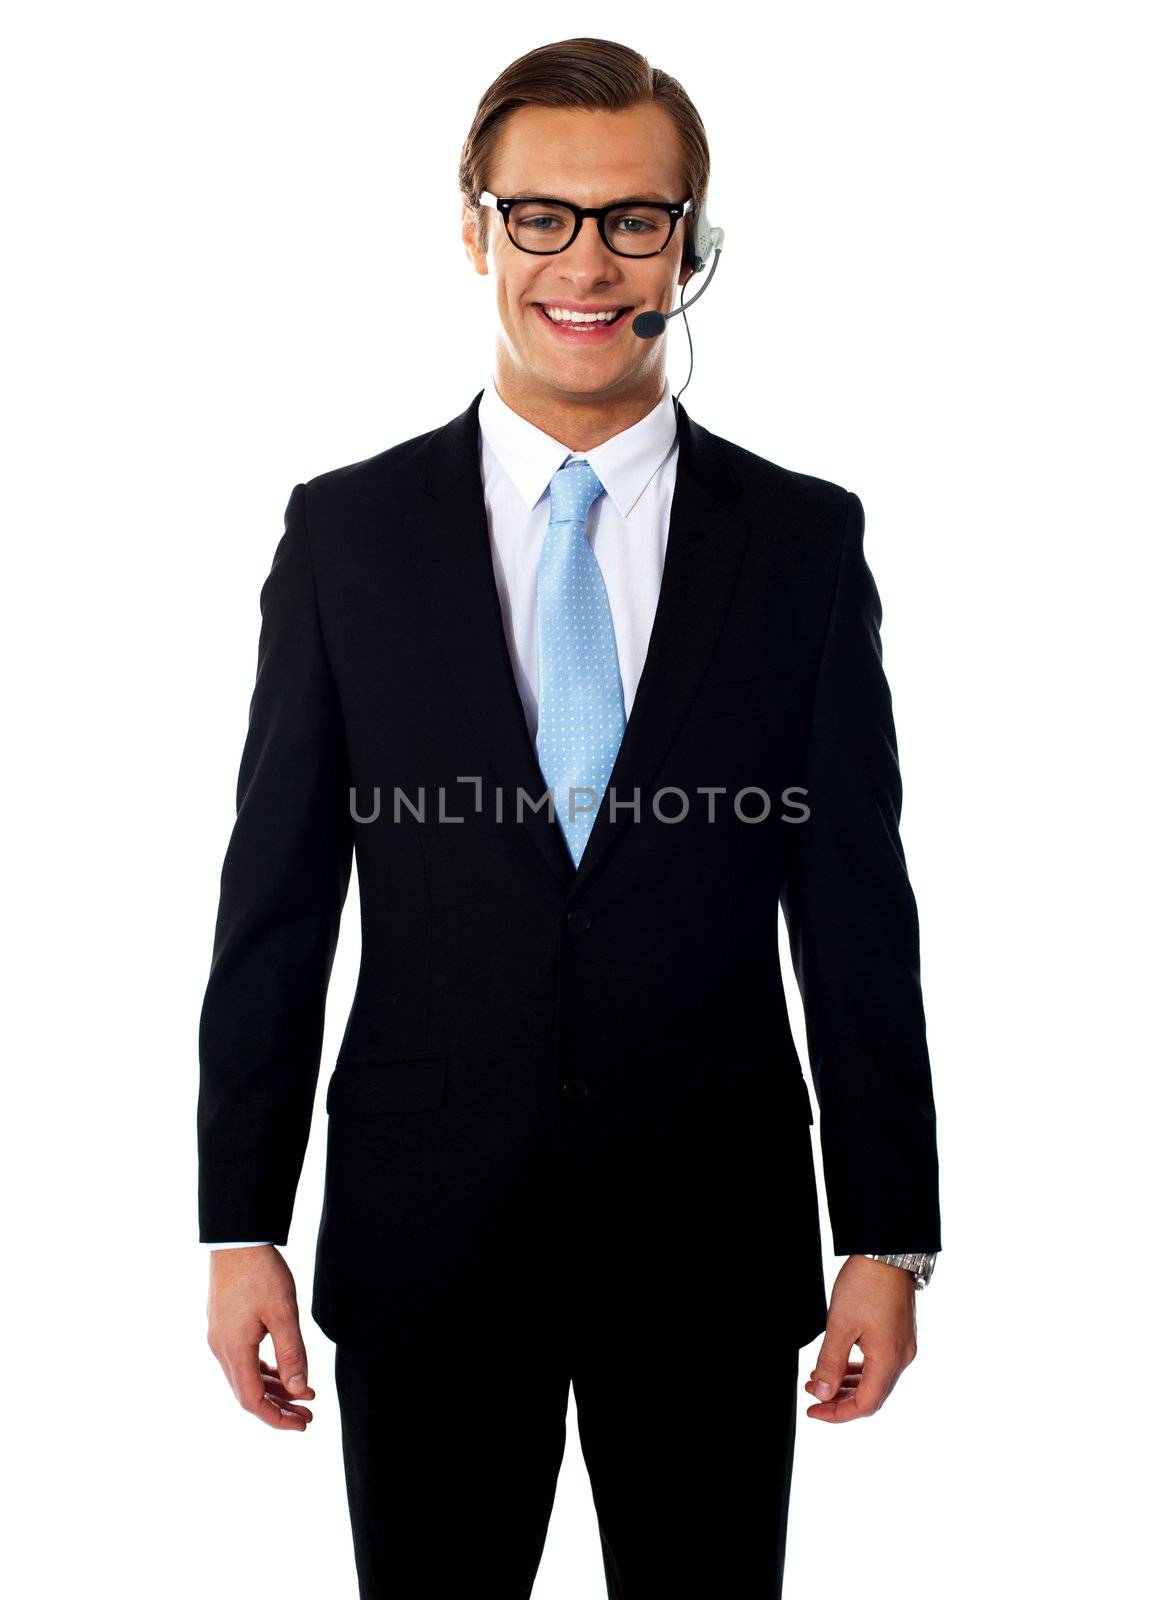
(705, 545)
(451, 538)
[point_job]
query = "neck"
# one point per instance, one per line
(578, 421)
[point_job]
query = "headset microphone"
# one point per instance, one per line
(650, 324)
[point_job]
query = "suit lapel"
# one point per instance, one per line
(705, 545)
(464, 605)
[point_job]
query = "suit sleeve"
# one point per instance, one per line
(282, 889)
(853, 929)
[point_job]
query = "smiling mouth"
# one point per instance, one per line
(581, 322)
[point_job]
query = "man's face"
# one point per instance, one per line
(590, 158)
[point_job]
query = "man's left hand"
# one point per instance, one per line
(872, 1306)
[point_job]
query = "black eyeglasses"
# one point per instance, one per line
(543, 226)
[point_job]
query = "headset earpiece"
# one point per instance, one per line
(702, 240)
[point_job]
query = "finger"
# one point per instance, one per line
(832, 1363)
(273, 1387)
(826, 1408)
(249, 1385)
(880, 1370)
(276, 1388)
(291, 1358)
(851, 1381)
(293, 1410)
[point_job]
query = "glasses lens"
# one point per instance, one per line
(637, 230)
(535, 225)
(631, 230)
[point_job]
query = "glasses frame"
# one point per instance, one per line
(504, 203)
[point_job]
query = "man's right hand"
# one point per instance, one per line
(251, 1293)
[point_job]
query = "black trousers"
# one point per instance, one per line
(451, 1470)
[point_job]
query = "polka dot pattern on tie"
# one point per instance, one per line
(581, 712)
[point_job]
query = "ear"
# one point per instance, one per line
(469, 235)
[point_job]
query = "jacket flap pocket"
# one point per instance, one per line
(366, 1086)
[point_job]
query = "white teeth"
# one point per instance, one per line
(578, 316)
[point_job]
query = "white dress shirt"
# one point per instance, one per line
(626, 527)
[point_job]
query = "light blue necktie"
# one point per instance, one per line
(581, 715)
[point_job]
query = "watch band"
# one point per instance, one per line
(920, 1264)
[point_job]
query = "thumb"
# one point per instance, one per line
(291, 1357)
(831, 1366)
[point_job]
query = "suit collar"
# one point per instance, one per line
(454, 448)
(706, 540)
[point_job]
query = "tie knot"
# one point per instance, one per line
(573, 489)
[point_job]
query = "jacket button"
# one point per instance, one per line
(575, 1089)
(579, 920)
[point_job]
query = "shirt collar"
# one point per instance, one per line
(625, 464)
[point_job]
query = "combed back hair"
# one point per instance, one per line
(590, 75)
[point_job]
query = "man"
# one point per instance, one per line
(568, 1133)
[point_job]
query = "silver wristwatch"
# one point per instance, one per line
(920, 1265)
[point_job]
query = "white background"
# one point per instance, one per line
(233, 262)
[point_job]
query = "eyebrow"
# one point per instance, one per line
(625, 200)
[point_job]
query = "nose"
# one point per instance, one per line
(588, 259)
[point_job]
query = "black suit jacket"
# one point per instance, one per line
(566, 1093)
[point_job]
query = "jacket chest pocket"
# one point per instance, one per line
(750, 689)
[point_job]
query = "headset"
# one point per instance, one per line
(704, 240)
